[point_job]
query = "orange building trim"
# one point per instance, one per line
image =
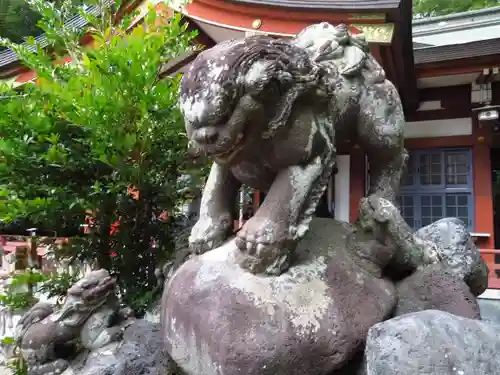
(265, 19)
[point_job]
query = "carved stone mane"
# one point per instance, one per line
(249, 66)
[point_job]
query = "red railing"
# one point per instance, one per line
(489, 257)
(21, 246)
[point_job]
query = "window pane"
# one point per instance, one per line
(462, 200)
(408, 209)
(430, 169)
(426, 221)
(451, 206)
(451, 200)
(437, 211)
(463, 212)
(435, 179)
(431, 209)
(457, 205)
(433, 175)
(457, 168)
(424, 169)
(411, 222)
(436, 159)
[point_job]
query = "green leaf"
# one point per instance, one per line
(7, 340)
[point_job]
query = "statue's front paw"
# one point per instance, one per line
(265, 246)
(207, 234)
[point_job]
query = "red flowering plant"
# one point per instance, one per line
(99, 142)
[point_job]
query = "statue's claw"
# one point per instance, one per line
(263, 245)
(207, 235)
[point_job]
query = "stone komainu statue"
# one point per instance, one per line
(267, 111)
(86, 318)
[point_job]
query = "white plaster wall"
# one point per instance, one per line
(438, 128)
(342, 188)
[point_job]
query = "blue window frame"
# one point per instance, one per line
(438, 183)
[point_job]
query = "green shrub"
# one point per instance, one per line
(99, 137)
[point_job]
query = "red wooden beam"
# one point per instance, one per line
(489, 251)
(457, 66)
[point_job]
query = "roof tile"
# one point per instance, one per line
(457, 51)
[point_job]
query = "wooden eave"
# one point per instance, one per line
(397, 58)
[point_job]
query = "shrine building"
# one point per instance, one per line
(447, 71)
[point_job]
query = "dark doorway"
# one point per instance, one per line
(325, 207)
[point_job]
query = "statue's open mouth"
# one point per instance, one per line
(232, 151)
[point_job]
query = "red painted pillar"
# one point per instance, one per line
(256, 200)
(483, 193)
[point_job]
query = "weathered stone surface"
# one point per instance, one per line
(432, 343)
(458, 252)
(436, 288)
(140, 353)
(353, 367)
(384, 221)
(219, 319)
(46, 333)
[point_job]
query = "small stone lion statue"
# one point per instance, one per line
(86, 317)
(266, 111)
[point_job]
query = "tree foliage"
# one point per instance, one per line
(18, 20)
(428, 8)
(100, 138)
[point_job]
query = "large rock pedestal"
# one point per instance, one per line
(219, 319)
